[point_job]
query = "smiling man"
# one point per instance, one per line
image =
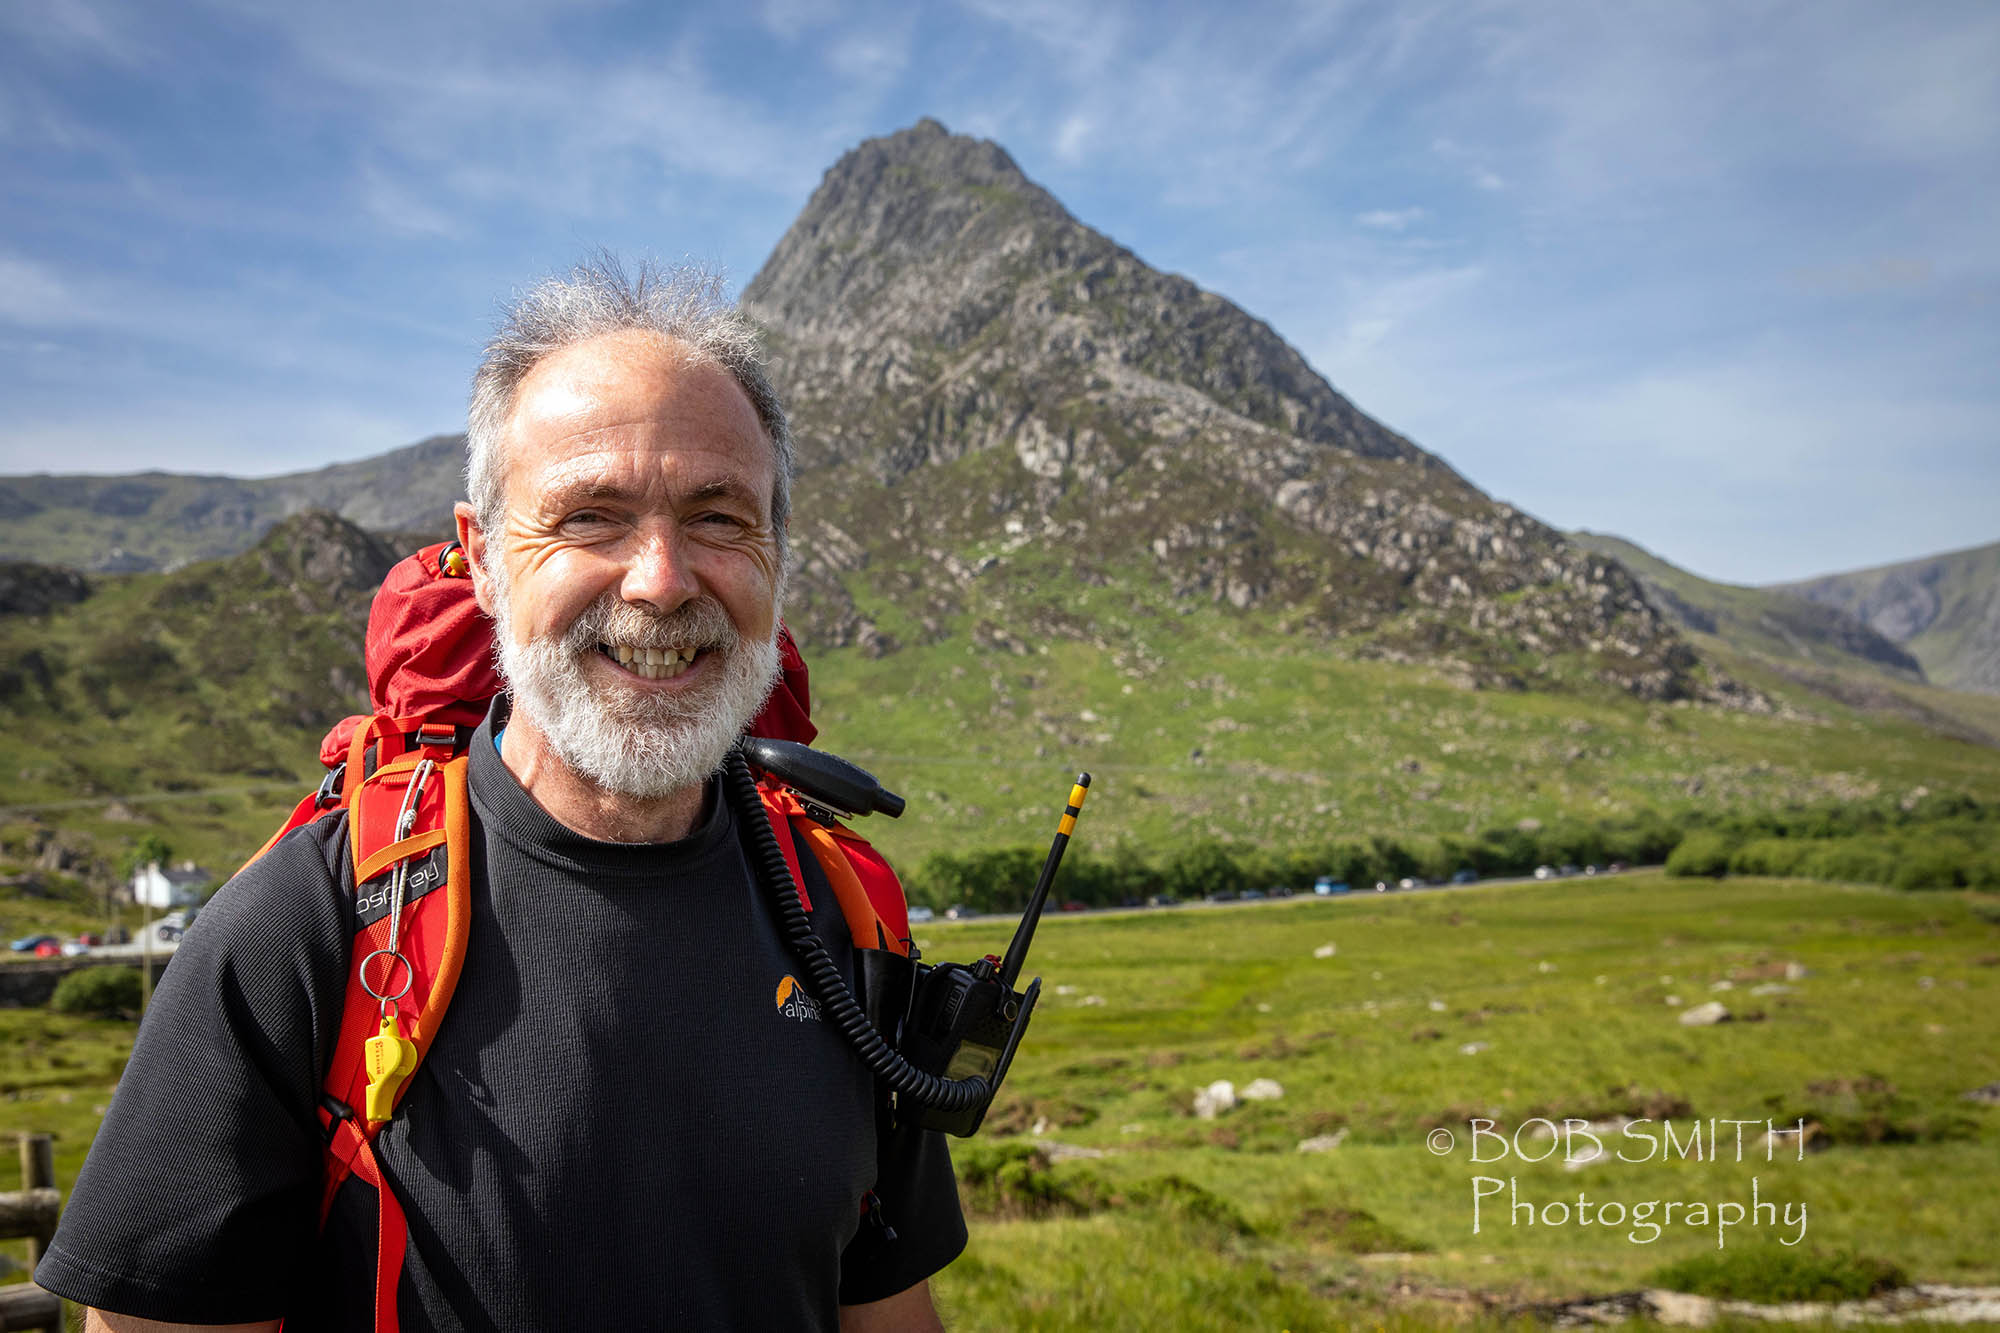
(614, 1127)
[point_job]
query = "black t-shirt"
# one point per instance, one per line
(618, 1125)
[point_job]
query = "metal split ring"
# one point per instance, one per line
(396, 956)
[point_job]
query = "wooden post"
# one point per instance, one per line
(32, 1214)
(38, 1172)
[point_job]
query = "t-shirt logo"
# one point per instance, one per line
(793, 1002)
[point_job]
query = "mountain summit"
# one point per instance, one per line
(936, 262)
(943, 328)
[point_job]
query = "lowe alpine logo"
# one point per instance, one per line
(793, 1002)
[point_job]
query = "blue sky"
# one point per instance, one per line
(1723, 278)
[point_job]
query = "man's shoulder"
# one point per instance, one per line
(304, 876)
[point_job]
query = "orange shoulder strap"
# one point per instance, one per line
(870, 895)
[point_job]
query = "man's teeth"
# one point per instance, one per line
(652, 663)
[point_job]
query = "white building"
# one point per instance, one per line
(182, 886)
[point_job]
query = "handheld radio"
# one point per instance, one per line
(951, 1028)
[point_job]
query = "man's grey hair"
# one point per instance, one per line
(595, 298)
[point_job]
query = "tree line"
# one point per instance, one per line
(1936, 840)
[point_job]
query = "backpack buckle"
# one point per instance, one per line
(329, 786)
(440, 734)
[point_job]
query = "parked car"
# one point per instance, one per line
(1545, 872)
(1254, 895)
(30, 943)
(1406, 882)
(959, 912)
(919, 913)
(1466, 877)
(74, 948)
(1327, 884)
(1163, 900)
(49, 948)
(1074, 906)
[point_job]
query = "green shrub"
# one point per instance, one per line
(1862, 860)
(1204, 868)
(1013, 1179)
(1769, 856)
(1770, 1274)
(1189, 1201)
(1940, 865)
(108, 991)
(1703, 852)
(1355, 1231)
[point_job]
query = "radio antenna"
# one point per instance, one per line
(1024, 934)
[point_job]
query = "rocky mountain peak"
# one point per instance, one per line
(928, 277)
(323, 555)
(971, 370)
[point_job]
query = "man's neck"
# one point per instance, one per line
(581, 805)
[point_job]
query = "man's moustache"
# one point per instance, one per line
(698, 624)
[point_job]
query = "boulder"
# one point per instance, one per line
(1213, 1100)
(1705, 1015)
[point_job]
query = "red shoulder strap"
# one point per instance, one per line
(433, 856)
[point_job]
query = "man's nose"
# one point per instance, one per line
(658, 573)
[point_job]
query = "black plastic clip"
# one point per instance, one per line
(329, 787)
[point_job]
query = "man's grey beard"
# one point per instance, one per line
(624, 739)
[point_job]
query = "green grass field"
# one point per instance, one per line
(1560, 989)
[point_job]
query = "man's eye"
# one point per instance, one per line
(728, 519)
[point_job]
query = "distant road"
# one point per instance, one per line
(1054, 913)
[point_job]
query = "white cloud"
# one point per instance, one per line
(34, 296)
(71, 28)
(788, 20)
(1392, 219)
(399, 208)
(1073, 138)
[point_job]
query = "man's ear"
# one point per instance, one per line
(473, 538)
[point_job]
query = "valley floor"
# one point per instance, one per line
(1396, 1172)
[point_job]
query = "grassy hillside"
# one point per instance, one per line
(190, 706)
(1501, 1002)
(1201, 725)
(1757, 620)
(1944, 609)
(187, 706)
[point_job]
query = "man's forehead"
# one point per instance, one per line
(632, 391)
(631, 369)
(631, 474)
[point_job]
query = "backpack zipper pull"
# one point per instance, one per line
(873, 1203)
(389, 1057)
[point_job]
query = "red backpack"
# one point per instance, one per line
(400, 773)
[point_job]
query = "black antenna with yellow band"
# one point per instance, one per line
(1024, 934)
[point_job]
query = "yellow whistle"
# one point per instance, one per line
(390, 1058)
